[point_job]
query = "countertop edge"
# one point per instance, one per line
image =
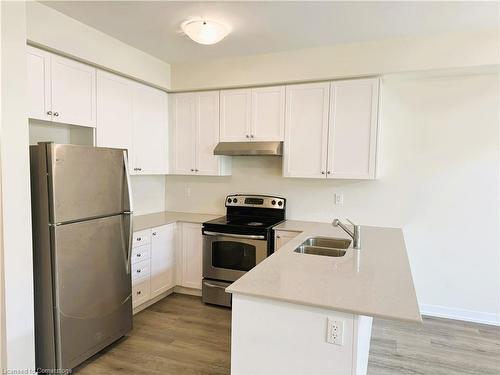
(326, 307)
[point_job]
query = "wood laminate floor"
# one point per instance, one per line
(181, 335)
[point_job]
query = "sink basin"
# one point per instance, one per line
(331, 242)
(325, 246)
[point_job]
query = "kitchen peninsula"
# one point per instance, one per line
(300, 313)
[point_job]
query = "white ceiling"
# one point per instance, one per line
(270, 26)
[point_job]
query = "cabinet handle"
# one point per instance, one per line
(248, 136)
(139, 238)
(278, 236)
(154, 233)
(322, 172)
(138, 292)
(192, 170)
(138, 255)
(138, 271)
(56, 114)
(251, 136)
(196, 170)
(49, 113)
(328, 172)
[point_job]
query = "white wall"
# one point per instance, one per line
(447, 51)
(148, 194)
(49, 28)
(19, 317)
(438, 179)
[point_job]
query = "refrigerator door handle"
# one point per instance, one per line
(127, 181)
(130, 211)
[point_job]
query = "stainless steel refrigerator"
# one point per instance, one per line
(82, 231)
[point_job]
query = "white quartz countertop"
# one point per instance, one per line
(167, 217)
(374, 281)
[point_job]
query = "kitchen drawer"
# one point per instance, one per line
(141, 238)
(140, 269)
(140, 293)
(140, 253)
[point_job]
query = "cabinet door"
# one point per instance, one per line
(73, 92)
(353, 129)
(162, 259)
(150, 150)
(268, 114)
(115, 112)
(235, 115)
(207, 133)
(306, 130)
(192, 244)
(183, 133)
(282, 237)
(38, 64)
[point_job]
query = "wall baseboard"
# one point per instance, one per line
(460, 314)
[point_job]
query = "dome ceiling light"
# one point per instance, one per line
(204, 31)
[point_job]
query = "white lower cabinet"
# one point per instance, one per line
(152, 263)
(281, 237)
(192, 254)
(163, 257)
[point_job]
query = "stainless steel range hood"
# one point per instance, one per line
(249, 148)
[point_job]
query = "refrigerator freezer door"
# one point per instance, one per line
(86, 182)
(92, 286)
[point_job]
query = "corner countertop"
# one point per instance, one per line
(373, 281)
(167, 217)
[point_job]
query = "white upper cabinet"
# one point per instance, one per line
(162, 259)
(183, 133)
(195, 133)
(73, 92)
(150, 130)
(331, 129)
(352, 140)
(306, 130)
(115, 112)
(256, 114)
(207, 135)
(60, 89)
(39, 97)
(133, 116)
(268, 114)
(235, 115)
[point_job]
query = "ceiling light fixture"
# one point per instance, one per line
(204, 31)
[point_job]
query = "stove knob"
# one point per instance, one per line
(280, 203)
(273, 202)
(229, 200)
(235, 200)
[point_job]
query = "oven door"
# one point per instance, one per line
(228, 256)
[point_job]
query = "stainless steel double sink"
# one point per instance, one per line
(325, 246)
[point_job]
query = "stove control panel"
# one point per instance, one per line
(263, 201)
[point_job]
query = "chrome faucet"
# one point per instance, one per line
(355, 233)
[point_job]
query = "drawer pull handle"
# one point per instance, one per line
(138, 255)
(139, 292)
(154, 233)
(138, 271)
(139, 238)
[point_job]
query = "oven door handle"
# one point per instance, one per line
(214, 285)
(249, 236)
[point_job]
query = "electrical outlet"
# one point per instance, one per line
(335, 331)
(339, 199)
